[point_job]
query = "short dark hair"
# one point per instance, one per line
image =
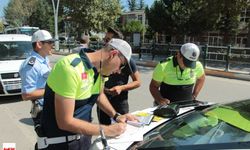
(34, 45)
(117, 33)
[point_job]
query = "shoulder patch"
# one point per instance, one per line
(165, 60)
(75, 62)
(32, 61)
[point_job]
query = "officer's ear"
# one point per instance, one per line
(113, 53)
(39, 44)
(178, 54)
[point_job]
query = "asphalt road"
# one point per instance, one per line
(16, 125)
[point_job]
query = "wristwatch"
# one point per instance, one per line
(116, 116)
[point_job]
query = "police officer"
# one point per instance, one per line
(117, 86)
(34, 72)
(178, 78)
(73, 87)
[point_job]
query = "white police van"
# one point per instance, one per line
(14, 49)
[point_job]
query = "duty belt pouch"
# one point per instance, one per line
(35, 109)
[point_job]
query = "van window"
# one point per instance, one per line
(15, 50)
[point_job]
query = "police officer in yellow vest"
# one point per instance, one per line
(73, 87)
(178, 78)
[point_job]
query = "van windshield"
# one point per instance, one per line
(15, 50)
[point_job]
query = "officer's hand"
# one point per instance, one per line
(126, 117)
(163, 101)
(116, 90)
(107, 91)
(115, 129)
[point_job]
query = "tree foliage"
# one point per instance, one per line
(94, 15)
(17, 12)
(229, 22)
(133, 26)
(42, 16)
(132, 5)
(184, 17)
(141, 4)
(135, 5)
(157, 17)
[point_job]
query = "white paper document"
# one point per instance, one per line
(132, 133)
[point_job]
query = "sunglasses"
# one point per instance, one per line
(123, 64)
(48, 42)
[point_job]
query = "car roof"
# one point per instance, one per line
(14, 37)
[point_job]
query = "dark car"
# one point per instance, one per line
(220, 126)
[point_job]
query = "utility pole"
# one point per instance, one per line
(56, 22)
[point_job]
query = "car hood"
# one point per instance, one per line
(10, 66)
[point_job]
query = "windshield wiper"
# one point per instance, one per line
(5, 59)
(201, 107)
(215, 146)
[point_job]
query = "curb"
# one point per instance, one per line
(230, 75)
(212, 72)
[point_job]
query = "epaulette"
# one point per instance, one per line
(165, 60)
(32, 61)
(75, 62)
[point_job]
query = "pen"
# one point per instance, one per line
(136, 124)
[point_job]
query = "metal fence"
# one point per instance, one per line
(222, 57)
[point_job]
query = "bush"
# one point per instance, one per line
(95, 38)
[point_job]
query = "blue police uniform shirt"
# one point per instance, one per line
(34, 72)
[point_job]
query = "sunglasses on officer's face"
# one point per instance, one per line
(48, 42)
(123, 62)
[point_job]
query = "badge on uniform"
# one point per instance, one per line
(32, 61)
(85, 81)
(84, 76)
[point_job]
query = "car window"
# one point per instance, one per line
(15, 50)
(216, 125)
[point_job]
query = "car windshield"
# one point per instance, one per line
(15, 50)
(217, 125)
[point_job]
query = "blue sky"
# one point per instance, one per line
(147, 2)
(4, 3)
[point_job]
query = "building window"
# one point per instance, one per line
(140, 18)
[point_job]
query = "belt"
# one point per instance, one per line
(44, 142)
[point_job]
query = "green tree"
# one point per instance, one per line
(230, 17)
(17, 12)
(132, 5)
(183, 17)
(133, 26)
(42, 16)
(94, 15)
(158, 18)
(202, 17)
(141, 4)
